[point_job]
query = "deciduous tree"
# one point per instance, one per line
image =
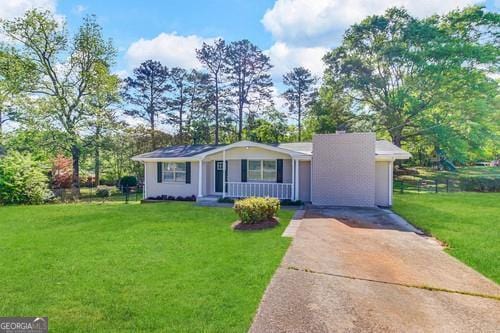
(67, 68)
(403, 69)
(17, 75)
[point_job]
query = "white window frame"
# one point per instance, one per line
(262, 171)
(174, 173)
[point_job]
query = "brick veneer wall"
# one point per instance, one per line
(344, 169)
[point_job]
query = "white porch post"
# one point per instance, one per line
(297, 179)
(224, 173)
(144, 190)
(200, 178)
(293, 179)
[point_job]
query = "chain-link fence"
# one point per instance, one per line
(99, 194)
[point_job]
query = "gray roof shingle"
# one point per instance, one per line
(382, 147)
(178, 151)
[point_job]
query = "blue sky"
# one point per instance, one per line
(128, 21)
(292, 32)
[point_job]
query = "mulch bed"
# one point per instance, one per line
(256, 226)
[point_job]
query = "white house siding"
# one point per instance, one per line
(383, 179)
(305, 181)
(344, 169)
(154, 188)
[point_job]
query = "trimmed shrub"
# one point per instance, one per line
(254, 210)
(225, 200)
(289, 202)
(22, 180)
(165, 197)
(102, 192)
(128, 181)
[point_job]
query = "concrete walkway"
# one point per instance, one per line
(360, 270)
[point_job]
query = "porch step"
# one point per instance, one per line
(207, 201)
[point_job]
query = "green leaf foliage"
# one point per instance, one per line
(22, 180)
(427, 83)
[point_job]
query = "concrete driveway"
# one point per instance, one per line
(359, 270)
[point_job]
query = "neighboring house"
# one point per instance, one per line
(335, 169)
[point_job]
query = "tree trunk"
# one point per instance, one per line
(97, 167)
(396, 139)
(181, 114)
(300, 118)
(216, 111)
(97, 159)
(153, 137)
(75, 177)
(181, 134)
(240, 120)
(1, 129)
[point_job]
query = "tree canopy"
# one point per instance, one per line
(423, 80)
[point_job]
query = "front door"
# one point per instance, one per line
(219, 169)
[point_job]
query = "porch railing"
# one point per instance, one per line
(275, 190)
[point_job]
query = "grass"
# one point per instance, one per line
(114, 267)
(468, 223)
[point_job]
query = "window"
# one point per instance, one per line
(262, 170)
(174, 172)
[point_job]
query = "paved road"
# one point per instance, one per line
(361, 270)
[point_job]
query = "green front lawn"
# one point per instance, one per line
(469, 223)
(115, 267)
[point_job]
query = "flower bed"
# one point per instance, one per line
(170, 198)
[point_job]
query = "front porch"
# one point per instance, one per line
(246, 170)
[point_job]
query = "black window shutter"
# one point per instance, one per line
(188, 172)
(226, 179)
(243, 171)
(159, 172)
(279, 173)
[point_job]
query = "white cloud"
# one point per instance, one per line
(10, 9)
(80, 9)
(284, 58)
(121, 73)
(322, 22)
(169, 48)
